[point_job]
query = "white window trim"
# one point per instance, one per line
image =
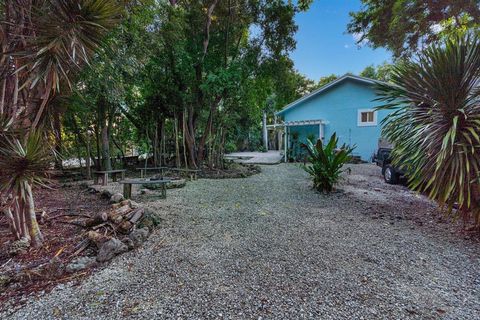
(366, 124)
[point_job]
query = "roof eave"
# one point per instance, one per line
(324, 88)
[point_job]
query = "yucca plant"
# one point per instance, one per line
(326, 162)
(435, 123)
(43, 44)
(23, 165)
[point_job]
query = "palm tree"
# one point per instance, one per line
(43, 44)
(435, 123)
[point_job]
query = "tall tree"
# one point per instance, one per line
(404, 26)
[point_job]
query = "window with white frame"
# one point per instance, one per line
(367, 117)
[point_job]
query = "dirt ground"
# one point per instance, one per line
(55, 208)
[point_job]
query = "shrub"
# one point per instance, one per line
(230, 147)
(435, 123)
(326, 162)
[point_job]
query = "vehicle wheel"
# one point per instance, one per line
(390, 175)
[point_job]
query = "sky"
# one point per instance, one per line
(324, 47)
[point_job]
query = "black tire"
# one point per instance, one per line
(390, 175)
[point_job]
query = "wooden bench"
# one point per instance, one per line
(191, 172)
(127, 186)
(104, 175)
(143, 171)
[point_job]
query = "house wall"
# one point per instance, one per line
(339, 106)
(299, 135)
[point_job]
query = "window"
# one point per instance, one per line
(367, 117)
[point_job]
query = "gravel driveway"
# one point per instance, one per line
(269, 247)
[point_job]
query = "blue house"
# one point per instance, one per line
(345, 106)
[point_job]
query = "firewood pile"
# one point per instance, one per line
(125, 226)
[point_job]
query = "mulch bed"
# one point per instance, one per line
(61, 242)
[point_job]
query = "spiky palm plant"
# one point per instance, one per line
(435, 122)
(22, 166)
(326, 162)
(43, 45)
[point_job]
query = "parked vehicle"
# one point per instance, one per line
(391, 173)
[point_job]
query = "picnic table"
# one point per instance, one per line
(104, 175)
(191, 172)
(127, 186)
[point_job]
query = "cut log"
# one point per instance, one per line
(118, 215)
(125, 203)
(125, 227)
(99, 218)
(119, 212)
(97, 238)
(137, 215)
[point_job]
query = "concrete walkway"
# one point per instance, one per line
(270, 157)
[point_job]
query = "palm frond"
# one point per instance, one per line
(435, 121)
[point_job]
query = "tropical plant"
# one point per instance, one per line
(23, 164)
(326, 162)
(43, 44)
(435, 122)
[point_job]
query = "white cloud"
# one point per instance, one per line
(346, 46)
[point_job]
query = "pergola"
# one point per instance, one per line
(289, 124)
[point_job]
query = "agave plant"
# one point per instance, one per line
(326, 162)
(435, 122)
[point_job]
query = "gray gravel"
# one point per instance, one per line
(269, 247)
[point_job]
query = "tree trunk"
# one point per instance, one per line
(156, 158)
(265, 131)
(177, 147)
(34, 229)
(89, 157)
(22, 220)
(98, 158)
(207, 131)
(107, 163)
(57, 131)
(184, 139)
(162, 142)
(13, 225)
(190, 139)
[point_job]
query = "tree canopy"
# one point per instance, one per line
(404, 26)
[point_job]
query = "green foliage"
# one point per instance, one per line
(23, 162)
(68, 33)
(403, 26)
(435, 122)
(381, 72)
(230, 147)
(326, 162)
(262, 149)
